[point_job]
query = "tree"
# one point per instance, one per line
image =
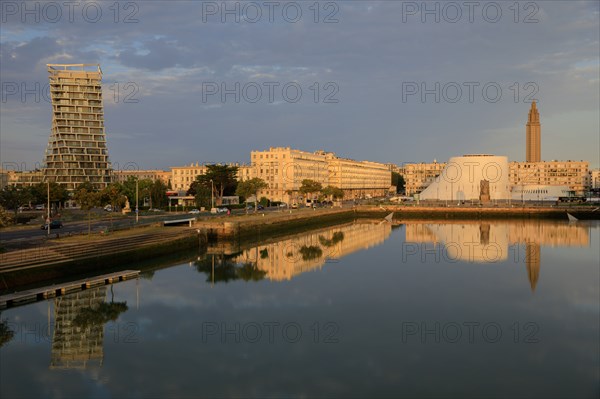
(158, 194)
(5, 217)
(251, 187)
(333, 192)
(226, 269)
(100, 315)
(224, 180)
(310, 187)
(201, 194)
(249, 271)
(143, 189)
(87, 200)
(113, 194)
(58, 194)
(398, 181)
(12, 197)
(89, 186)
(6, 334)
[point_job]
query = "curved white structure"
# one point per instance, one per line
(538, 192)
(461, 179)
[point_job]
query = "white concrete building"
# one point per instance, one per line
(462, 177)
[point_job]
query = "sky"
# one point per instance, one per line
(386, 81)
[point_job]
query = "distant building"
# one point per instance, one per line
(284, 169)
(24, 178)
(533, 132)
(183, 176)
(77, 150)
(594, 179)
(417, 176)
(573, 174)
(122, 175)
(535, 172)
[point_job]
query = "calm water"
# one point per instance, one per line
(437, 310)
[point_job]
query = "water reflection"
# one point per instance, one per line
(77, 330)
(467, 241)
(481, 242)
(370, 296)
(225, 268)
(6, 333)
(284, 259)
(79, 320)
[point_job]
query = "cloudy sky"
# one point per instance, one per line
(191, 81)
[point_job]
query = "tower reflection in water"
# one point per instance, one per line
(78, 334)
(517, 241)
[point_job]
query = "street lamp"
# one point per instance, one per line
(137, 213)
(212, 194)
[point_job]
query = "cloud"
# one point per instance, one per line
(368, 53)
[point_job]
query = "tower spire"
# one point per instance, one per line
(533, 131)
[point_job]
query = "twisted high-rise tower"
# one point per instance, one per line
(77, 149)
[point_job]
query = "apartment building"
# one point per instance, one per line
(418, 176)
(24, 178)
(358, 178)
(182, 176)
(573, 174)
(594, 179)
(284, 169)
(155, 174)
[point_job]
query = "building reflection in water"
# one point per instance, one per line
(78, 335)
(285, 259)
(282, 260)
(482, 242)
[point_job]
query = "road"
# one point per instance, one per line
(82, 226)
(35, 232)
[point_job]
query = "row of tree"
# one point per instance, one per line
(87, 195)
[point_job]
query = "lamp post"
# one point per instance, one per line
(137, 213)
(212, 194)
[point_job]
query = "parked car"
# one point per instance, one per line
(55, 224)
(222, 209)
(39, 207)
(294, 206)
(155, 210)
(108, 208)
(282, 205)
(194, 212)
